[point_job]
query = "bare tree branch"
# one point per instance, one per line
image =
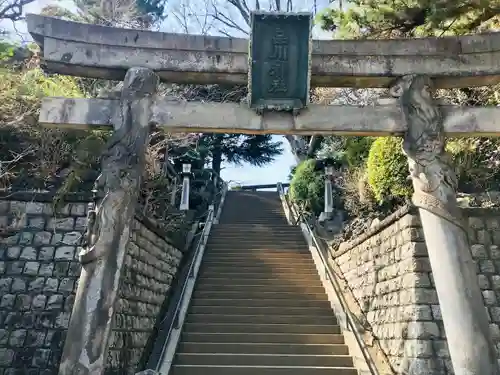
(225, 20)
(13, 9)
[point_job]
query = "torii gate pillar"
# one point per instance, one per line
(465, 319)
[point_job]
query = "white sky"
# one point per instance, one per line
(279, 170)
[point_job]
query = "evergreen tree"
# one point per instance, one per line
(142, 13)
(256, 150)
(475, 158)
(236, 149)
(155, 9)
(406, 18)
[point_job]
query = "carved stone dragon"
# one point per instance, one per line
(109, 225)
(434, 180)
(119, 174)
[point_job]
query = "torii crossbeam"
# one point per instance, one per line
(195, 117)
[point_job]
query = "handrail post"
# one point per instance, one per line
(221, 203)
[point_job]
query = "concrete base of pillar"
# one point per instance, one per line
(331, 222)
(324, 216)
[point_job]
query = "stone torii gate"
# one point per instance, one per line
(279, 77)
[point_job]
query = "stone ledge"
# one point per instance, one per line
(43, 196)
(481, 211)
(392, 218)
(155, 228)
(88, 33)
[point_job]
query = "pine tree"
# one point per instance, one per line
(407, 18)
(236, 149)
(474, 157)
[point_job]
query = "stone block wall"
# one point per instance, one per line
(38, 277)
(484, 236)
(39, 272)
(388, 273)
(151, 264)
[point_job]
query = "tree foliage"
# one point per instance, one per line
(406, 18)
(33, 157)
(257, 150)
(307, 186)
(385, 169)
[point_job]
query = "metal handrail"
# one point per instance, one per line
(300, 219)
(192, 273)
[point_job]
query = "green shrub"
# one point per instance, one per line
(307, 187)
(476, 162)
(41, 154)
(357, 150)
(387, 170)
(7, 50)
(350, 151)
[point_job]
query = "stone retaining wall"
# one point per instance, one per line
(39, 271)
(150, 266)
(388, 273)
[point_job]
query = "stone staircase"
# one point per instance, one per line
(259, 307)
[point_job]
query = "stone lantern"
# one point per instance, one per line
(328, 166)
(186, 160)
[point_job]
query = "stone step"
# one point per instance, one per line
(265, 217)
(262, 273)
(223, 294)
(287, 255)
(260, 221)
(261, 319)
(282, 338)
(245, 310)
(222, 281)
(256, 258)
(259, 307)
(234, 233)
(255, 269)
(267, 303)
(260, 348)
(269, 249)
(244, 243)
(253, 221)
(252, 207)
(257, 240)
(254, 228)
(278, 264)
(262, 287)
(257, 228)
(260, 328)
(262, 236)
(217, 359)
(260, 370)
(245, 215)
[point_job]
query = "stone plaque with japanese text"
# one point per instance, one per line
(279, 60)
